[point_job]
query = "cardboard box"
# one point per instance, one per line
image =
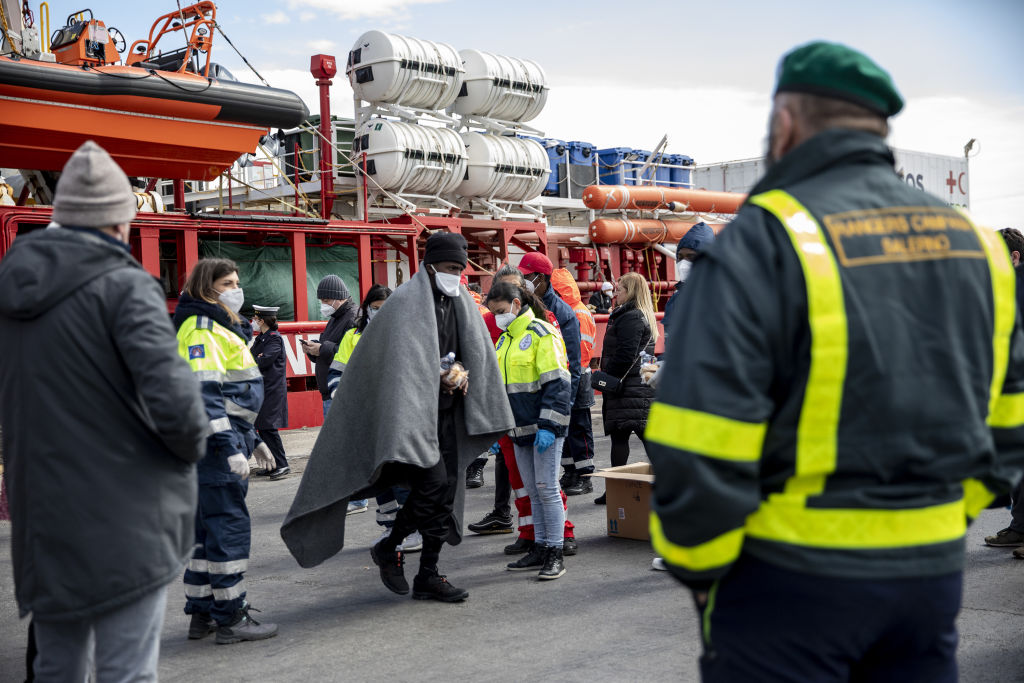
(628, 495)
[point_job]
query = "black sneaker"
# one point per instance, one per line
(533, 560)
(522, 545)
(244, 627)
(493, 523)
(1005, 538)
(475, 473)
(280, 473)
(568, 478)
(569, 546)
(391, 573)
(436, 587)
(553, 565)
(581, 486)
(202, 625)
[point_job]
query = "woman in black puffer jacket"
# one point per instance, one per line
(632, 330)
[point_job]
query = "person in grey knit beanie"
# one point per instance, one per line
(93, 192)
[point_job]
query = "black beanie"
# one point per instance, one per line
(446, 246)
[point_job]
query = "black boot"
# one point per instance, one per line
(568, 478)
(244, 627)
(391, 573)
(600, 500)
(475, 473)
(553, 565)
(202, 625)
(522, 545)
(434, 586)
(569, 547)
(581, 486)
(532, 560)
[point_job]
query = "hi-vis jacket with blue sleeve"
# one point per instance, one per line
(345, 348)
(232, 390)
(532, 359)
(843, 382)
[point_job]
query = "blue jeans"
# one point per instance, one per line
(123, 644)
(540, 478)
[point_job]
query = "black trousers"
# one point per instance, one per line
(620, 445)
(502, 487)
(428, 509)
(766, 623)
(272, 438)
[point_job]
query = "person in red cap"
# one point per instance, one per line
(537, 269)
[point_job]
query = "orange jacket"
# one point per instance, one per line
(565, 285)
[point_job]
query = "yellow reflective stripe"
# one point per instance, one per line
(782, 519)
(709, 435)
(717, 552)
(1004, 289)
(977, 497)
(1008, 412)
(817, 431)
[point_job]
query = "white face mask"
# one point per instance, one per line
(233, 299)
(530, 287)
(370, 312)
(255, 326)
(503, 320)
(448, 283)
(326, 310)
(683, 269)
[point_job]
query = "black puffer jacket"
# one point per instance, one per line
(627, 335)
(342, 320)
(102, 424)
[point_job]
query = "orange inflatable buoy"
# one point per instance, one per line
(648, 198)
(641, 231)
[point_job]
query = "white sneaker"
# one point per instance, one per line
(412, 543)
(659, 564)
(356, 508)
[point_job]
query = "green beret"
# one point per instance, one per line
(834, 70)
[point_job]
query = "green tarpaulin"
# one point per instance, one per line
(266, 273)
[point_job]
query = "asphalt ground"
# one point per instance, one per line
(609, 618)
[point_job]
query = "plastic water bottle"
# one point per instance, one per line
(447, 361)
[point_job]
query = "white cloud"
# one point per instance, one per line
(322, 45)
(307, 16)
(277, 17)
(361, 9)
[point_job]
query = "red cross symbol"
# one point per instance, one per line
(951, 181)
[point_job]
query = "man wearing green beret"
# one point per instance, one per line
(843, 391)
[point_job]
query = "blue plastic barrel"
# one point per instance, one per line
(680, 177)
(581, 153)
(613, 166)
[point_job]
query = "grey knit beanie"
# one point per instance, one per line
(332, 287)
(93, 191)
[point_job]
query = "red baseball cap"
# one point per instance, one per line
(535, 262)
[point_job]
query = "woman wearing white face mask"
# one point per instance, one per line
(213, 338)
(531, 356)
(268, 350)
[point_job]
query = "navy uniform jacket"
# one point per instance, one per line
(844, 384)
(268, 350)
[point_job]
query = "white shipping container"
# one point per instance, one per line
(945, 177)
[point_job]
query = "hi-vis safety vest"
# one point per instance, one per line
(532, 359)
(229, 380)
(341, 357)
(801, 519)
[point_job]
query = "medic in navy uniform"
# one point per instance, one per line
(214, 340)
(268, 350)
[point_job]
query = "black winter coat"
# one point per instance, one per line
(103, 422)
(341, 322)
(626, 336)
(268, 350)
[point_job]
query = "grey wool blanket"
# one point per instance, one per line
(385, 411)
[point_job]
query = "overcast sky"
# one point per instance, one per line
(622, 74)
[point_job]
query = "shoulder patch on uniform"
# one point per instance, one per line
(203, 323)
(539, 328)
(196, 351)
(526, 342)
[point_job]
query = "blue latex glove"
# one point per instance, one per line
(495, 448)
(544, 440)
